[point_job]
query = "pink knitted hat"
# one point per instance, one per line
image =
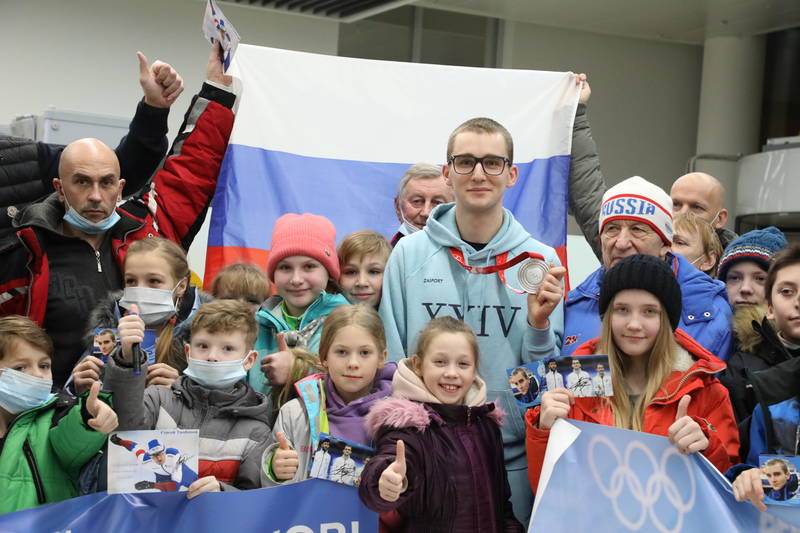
(309, 235)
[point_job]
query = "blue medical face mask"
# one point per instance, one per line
(84, 224)
(20, 391)
(216, 374)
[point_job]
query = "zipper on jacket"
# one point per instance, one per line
(680, 384)
(97, 256)
(469, 416)
(37, 480)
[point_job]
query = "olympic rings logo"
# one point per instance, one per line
(650, 493)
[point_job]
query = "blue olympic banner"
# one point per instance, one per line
(604, 479)
(312, 506)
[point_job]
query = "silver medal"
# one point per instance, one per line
(531, 275)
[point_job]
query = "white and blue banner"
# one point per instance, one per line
(604, 479)
(312, 506)
(333, 135)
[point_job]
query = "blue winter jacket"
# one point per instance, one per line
(270, 321)
(422, 281)
(706, 314)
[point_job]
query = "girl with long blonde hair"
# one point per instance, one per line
(663, 380)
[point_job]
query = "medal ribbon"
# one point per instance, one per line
(501, 264)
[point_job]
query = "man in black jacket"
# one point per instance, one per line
(27, 168)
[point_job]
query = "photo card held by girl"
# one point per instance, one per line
(339, 460)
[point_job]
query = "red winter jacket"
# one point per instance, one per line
(173, 206)
(710, 407)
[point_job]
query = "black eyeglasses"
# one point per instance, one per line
(492, 165)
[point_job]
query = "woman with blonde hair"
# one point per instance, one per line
(697, 241)
(663, 380)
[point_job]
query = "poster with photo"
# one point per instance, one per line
(779, 479)
(339, 460)
(106, 339)
(160, 460)
(585, 376)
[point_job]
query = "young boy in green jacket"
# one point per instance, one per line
(44, 438)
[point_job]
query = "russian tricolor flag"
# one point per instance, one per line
(332, 136)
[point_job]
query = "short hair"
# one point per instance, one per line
(225, 316)
(243, 281)
(777, 461)
(550, 360)
(522, 370)
(361, 315)
(446, 324)
(420, 171)
(787, 257)
(709, 239)
(14, 328)
(361, 244)
(482, 125)
(108, 332)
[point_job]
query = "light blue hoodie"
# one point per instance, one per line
(423, 281)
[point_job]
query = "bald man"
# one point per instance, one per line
(66, 252)
(698, 192)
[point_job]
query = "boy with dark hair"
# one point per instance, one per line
(45, 438)
(773, 427)
(213, 396)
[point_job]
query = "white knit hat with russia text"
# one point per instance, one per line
(638, 199)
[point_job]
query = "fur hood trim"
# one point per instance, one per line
(748, 336)
(401, 413)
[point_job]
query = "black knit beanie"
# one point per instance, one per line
(648, 273)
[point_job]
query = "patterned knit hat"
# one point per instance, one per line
(648, 273)
(309, 235)
(758, 246)
(638, 199)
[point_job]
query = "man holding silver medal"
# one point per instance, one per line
(457, 266)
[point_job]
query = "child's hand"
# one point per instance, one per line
(393, 481)
(104, 419)
(276, 365)
(204, 484)
(685, 433)
(86, 372)
(747, 487)
(161, 374)
(549, 295)
(286, 460)
(555, 404)
(131, 331)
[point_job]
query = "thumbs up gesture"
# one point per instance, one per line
(685, 433)
(104, 419)
(286, 460)
(160, 82)
(393, 481)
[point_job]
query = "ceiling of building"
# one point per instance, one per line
(686, 21)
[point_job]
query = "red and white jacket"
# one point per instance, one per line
(173, 206)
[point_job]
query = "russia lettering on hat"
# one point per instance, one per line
(637, 199)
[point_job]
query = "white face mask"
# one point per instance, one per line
(215, 374)
(407, 228)
(155, 305)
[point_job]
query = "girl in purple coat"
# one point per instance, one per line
(439, 459)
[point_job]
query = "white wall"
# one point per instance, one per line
(81, 54)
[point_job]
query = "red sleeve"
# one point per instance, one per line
(720, 428)
(535, 446)
(184, 185)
